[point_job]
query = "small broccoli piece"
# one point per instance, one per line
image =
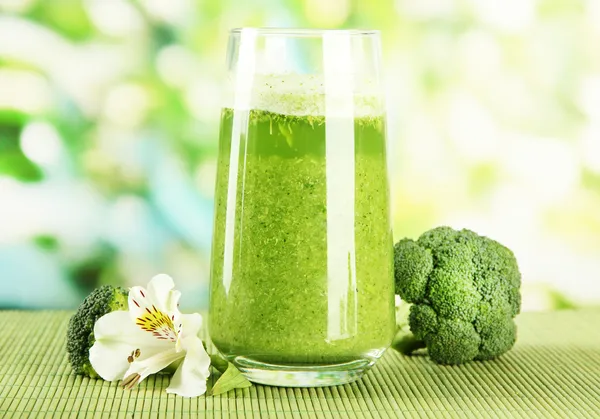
(80, 332)
(465, 291)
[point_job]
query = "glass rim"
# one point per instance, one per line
(302, 32)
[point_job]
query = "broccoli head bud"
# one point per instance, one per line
(423, 320)
(465, 291)
(496, 328)
(80, 332)
(454, 342)
(413, 264)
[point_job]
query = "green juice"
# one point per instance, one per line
(302, 264)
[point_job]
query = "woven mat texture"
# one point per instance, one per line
(553, 372)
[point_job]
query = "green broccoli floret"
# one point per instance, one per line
(80, 333)
(465, 294)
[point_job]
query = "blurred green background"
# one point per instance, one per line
(109, 124)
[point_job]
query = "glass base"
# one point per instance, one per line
(302, 376)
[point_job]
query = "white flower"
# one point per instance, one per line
(153, 334)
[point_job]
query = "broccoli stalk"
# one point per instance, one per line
(464, 290)
(80, 333)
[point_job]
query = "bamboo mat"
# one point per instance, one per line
(554, 371)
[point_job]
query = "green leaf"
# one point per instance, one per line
(232, 378)
(219, 363)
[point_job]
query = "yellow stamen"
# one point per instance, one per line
(157, 323)
(131, 381)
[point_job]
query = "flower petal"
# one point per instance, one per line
(117, 326)
(160, 289)
(109, 359)
(138, 370)
(118, 338)
(190, 324)
(159, 295)
(190, 378)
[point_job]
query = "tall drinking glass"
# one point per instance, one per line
(301, 287)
